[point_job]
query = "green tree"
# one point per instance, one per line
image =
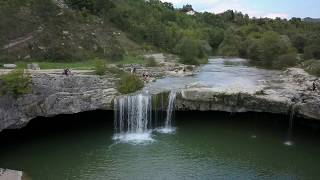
(299, 41)
(189, 50)
(312, 52)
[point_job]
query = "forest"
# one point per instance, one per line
(159, 26)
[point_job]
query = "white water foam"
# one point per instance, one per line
(134, 138)
(165, 130)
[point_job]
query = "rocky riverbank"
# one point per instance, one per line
(54, 94)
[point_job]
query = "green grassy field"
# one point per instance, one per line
(83, 65)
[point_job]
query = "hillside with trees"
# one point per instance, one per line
(90, 28)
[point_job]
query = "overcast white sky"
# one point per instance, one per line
(257, 8)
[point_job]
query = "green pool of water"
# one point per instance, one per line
(204, 146)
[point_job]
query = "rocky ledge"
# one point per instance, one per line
(54, 94)
(293, 93)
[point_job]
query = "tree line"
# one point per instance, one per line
(271, 43)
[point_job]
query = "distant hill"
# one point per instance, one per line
(314, 20)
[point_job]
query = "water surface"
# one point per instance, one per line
(220, 73)
(204, 146)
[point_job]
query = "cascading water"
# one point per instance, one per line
(292, 112)
(170, 109)
(133, 116)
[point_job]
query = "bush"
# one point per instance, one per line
(129, 84)
(100, 67)
(15, 83)
(312, 52)
(312, 67)
(190, 51)
(286, 60)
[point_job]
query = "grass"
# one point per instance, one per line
(85, 65)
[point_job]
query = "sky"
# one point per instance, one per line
(257, 8)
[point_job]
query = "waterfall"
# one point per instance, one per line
(292, 112)
(170, 109)
(133, 117)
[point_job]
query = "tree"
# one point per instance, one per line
(189, 50)
(312, 52)
(216, 37)
(299, 41)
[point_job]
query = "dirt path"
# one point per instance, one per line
(18, 41)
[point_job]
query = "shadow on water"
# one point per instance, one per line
(205, 145)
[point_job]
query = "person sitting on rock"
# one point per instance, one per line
(133, 70)
(66, 72)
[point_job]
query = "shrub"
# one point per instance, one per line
(312, 67)
(100, 67)
(189, 51)
(312, 51)
(129, 84)
(286, 60)
(15, 83)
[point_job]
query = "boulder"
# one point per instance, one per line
(10, 66)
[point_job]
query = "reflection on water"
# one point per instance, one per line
(204, 146)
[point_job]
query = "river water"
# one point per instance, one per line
(135, 142)
(219, 73)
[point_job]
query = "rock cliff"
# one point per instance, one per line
(54, 94)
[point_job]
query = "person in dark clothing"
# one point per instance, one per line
(66, 72)
(314, 86)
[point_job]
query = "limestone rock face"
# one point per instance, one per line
(54, 94)
(205, 99)
(292, 92)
